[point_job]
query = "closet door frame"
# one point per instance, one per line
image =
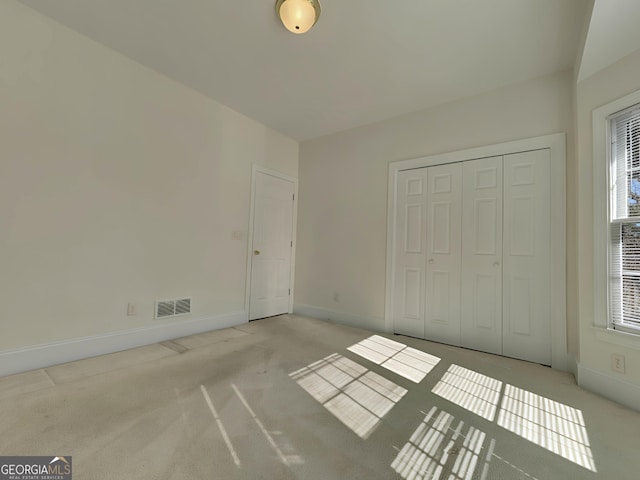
(556, 144)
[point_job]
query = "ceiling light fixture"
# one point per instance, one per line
(298, 16)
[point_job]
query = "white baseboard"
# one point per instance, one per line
(374, 324)
(625, 393)
(41, 356)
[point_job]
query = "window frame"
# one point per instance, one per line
(602, 212)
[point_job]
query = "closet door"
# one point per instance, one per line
(527, 325)
(481, 301)
(444, 210)
(410, 253)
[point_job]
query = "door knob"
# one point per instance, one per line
(431, 260)
(496, 264)
(256, 252)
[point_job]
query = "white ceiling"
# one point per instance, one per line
(606, 45)
(364, 61)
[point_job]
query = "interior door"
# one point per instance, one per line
(526, 306)
(481, 301)
(410, 253)
(444, 237)
(272, 246)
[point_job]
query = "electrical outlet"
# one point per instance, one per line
(237, 235)
(131, 309)
(617, 363)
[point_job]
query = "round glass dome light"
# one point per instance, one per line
(298, 16)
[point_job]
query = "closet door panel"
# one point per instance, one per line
(444, 211)
(526, 306)
(410, 253)
(481, 285)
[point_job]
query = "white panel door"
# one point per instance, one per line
(410, 249)
(526, 295)
(272, 237)
(444, 211)
(481, 301)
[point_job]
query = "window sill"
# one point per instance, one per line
(616, 337)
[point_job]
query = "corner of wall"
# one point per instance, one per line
(572, 365)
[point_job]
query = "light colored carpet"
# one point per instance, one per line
(292, 397)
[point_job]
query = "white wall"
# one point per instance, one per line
(343, 190)
(117, 185)
(596, 346)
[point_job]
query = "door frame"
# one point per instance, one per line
(556, 143)
(255, 171)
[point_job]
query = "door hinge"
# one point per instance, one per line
(292, 243)
(289, 291)
(294, 196)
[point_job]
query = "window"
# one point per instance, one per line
(624, 220)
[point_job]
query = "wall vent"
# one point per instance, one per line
(173, 308)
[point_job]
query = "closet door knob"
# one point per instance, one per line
(256, 252)
(496, 264)
(431, 260)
